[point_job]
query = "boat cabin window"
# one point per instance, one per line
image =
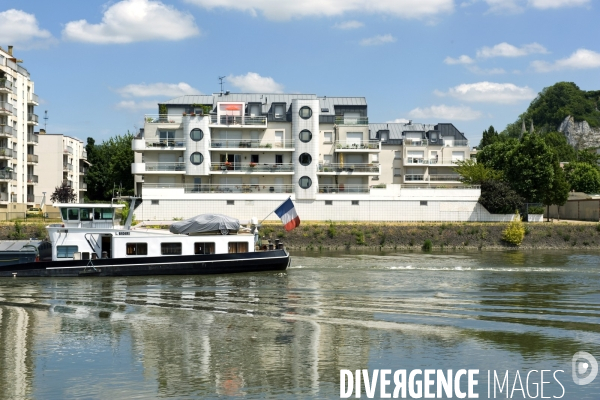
(137, 249)
(70, 214)
(170, 248)
(238, 247)
(86, 214)
(103, 213)
(204, 248)
(65, 251)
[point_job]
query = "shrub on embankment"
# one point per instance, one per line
(452, 235)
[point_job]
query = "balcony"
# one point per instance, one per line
(159, 167)
(84, 155)
(33, 99)
(353, 146)
(6, 86)
(30, 198)
(7, 175)
(6, 108)
(444, 178)
(158, 144)
(68, 150)
(369, 169)
(5, 153)
(32, 139)
(83, 170)
(82, 186)
(67, 182)
(238, 121)
(343, 188)
(252, 144)
(216, 188)
(416, 160)
(243, 168)
(163, 119)
(341, 120)
(32, 159)
(414, 178)
(7, 131)
(32, 119)
(3, 197)
(32, 179)
(67, 167)
(449, 143)
(415, 142)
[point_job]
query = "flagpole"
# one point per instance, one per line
(274, 210)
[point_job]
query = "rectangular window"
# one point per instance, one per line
(86, 214)
(458, 156)
(103, 213)
(137, 249)
(397, 155)
(73, 214)
(254, 158)
(279, 110)
(423, 202)
(170, 248)
(63, 212)
(65, 251)
(328, 137)
(238, 247)
(328, 202)
(154, 202)
(397, 171)
(204, 248)
(278, 159)
(230, 202)
(354, 202)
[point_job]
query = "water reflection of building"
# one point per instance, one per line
(16, 352)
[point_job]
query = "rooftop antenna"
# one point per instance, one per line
(46, 121)
(221, 79)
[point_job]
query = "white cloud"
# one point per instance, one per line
(483, 71)
(399, 121)
(378, 40)
(464, 59)
(157, 89)
(21, 29)
(545, 4)
(254, 83)
(581, 59)
(490, 92)
(349, 25)
(508, 50)
(444, 112)
(133, 21)
(284, 10)
(131, 105)
(504, 6)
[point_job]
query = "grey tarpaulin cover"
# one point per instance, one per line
(206, 223)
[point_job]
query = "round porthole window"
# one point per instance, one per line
(196, 158)
(305, 112)
(196, 134)
(305, 159)
(305, 136)
(305, 182)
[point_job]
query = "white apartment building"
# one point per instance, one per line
(65, 160)
(243, 154)
(18, 159)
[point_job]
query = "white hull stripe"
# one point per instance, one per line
(163, 263)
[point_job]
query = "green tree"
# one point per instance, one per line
(490, 136)
(558, 142)
(110, 167)
(530, 168)
(583, 177)
(499, 198)
(63, 194)
(474, 173)
(588, 156)
(559, 193)
(495, 156)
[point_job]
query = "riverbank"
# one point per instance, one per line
(316, 235)
(457, 235)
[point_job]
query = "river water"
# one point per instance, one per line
(288, 335)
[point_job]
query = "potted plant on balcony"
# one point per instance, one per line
(252, 164)
(227, 165)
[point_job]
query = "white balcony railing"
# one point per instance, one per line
(414, 177)
(444, 177)
(6, 107)
(216, 188)
(164, 143)
(163, 119)
(165, 166)
(252, 167)
(343, 188)
(251, 144)
(348, 167)
(6, 130)
(32, 138)
(341, 145)
(228, 120)
(342, 120)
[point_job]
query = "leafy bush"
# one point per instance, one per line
(18, 232)
(535, 210)
(498, 198)
(331, 231)
(515, 231)
(427, 245)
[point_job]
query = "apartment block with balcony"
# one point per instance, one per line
(420, 154)
(18, 154)
(65, 160)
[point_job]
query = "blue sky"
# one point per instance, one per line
(100, 66)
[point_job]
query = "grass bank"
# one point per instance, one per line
(438, 236)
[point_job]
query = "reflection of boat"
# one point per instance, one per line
(90, 243)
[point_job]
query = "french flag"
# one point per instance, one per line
(287, 213)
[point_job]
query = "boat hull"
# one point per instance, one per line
(275, 260)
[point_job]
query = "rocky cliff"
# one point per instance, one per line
(579, 134)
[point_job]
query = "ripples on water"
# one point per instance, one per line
(278, 335)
